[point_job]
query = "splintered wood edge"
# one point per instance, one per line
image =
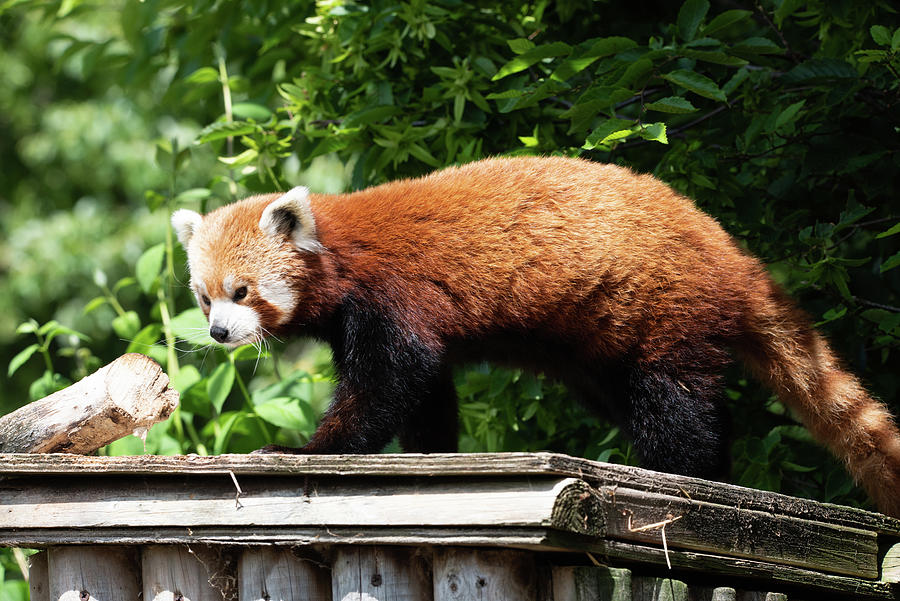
(454, 464)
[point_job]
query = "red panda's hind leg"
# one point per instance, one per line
(433, 427)
(678, 423)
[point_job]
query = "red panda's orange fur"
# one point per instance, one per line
(604, 262)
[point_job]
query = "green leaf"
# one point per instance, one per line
(372, 114)
(248, 352)
(27, 327)
(520, 45)
(193, 195)
(423, 155)
(881, 35)
(892, 262)
(819, 70)
(634, 72)
(756, 46)
(191, 325)
(895, 40)
(127, 325)
(525, 60)
(788, 114)
(251, 110)
(245, 158)
(672, 104)
(220, 383)
(222, 129)
(94, 304)
(895, 229)
(145, 340)
(46, 385)
(690, 15)
(203, 75)
(716, 57)
(696, 83)
(187, 376)
(655, 132)
(21, 357)
(288, 412)
(611, 128)
(149, 265)
(608, 46)
(726, 19)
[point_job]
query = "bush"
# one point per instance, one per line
(781, 120)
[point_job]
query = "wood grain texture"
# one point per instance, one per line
(380, 574)
(449, 464)
(645, 588)
(38, 578)
(210, 501)
(276, 574)
(570, 583)
(177, 573)
(705, 526)
(93, 573)
(462, 574)
(127, 396)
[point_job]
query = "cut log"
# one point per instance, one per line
(125, 397)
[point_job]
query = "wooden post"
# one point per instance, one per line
(658, 589)
(276, 574)
(380, 574)
(95, 573)
(175, 573)
(38, 583)
(125, 397)
(499, 575)
(590, 583)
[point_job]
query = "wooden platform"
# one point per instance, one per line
(559, 506)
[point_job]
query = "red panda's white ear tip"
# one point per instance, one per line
(185, 223)
(291, 215)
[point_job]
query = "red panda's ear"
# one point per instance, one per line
(185, 223)
(290, 215)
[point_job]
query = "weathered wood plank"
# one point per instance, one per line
(38, 578)
(92, 573)
(210, 501)
(890, 564)
(176, 572)
(589, 584)
(778, 576)
(461, 574)
(704, 526)
(380, 574)
(470, 465)
(127, 396)
(271, 573)
(645, 588)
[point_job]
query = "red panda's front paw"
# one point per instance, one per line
(272, 449)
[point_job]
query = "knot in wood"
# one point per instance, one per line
(376, 580)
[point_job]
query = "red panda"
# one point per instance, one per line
(607, 280)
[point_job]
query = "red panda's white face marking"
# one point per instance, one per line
(244, 264)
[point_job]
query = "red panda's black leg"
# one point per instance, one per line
(434, 427)
(385, 373)
(678, 423)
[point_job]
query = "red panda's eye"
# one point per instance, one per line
(205, 300)
(240, 293)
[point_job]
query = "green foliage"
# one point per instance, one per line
(780, 118)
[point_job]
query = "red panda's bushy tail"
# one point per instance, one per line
(798, 365)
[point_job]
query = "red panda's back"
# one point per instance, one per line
(527, 241)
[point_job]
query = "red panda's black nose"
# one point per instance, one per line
(218, 333)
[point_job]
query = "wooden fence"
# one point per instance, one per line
(517, 527)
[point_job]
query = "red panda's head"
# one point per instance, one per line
(246, 264)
